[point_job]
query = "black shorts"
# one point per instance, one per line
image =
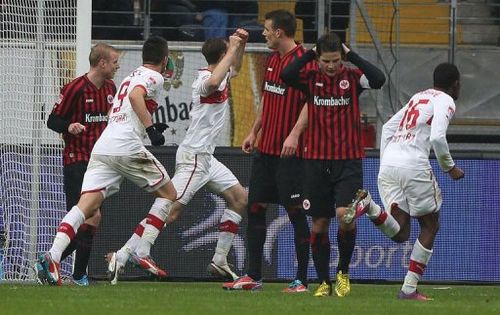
(275, 180)
(73, 179)
(330, 184)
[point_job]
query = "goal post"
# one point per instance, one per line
(38, 56)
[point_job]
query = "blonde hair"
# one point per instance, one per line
(100, 51)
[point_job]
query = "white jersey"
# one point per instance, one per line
(408, 136)
(125, 133)
(208, 114)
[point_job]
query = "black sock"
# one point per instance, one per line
(69, 250)
(301, 236)
(320, 245)
(256, 236)
(346, 241)
(84, 239)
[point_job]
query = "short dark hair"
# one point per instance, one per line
(445, 75)
(154, 50)
(329, 42)
(213, 49)
(284, 20)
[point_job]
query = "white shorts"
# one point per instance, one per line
(416, 192)
(105, 173)
(194, 171)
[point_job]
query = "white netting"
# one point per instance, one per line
(37, 57)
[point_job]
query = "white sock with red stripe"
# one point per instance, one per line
(124, 253)
(373, 211)
(228, 228)
(386, 223)
(154, 224)
(419, 259)
(66, 232)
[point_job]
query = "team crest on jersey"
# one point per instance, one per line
(344, 84)
(110, 98)
(306, 204)
(175, 68)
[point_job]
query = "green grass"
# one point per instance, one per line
(208, 298)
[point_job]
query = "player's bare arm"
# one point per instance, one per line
(138, 102)
(292, 141)
(221, 69)
(249, 142)
(238, 60)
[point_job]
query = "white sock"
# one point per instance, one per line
(66, 232)
(374, 210)
(130, 246)
(154, 224)
(228, 227)
(419, 259)
(387, 224)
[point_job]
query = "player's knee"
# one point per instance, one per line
(95, 219)
(167, 191)
(172, 216)
(402, 236)
(295, 212)
(171, 193)
(175, 211)
(256, 208)
(239, 202)
(320, 225)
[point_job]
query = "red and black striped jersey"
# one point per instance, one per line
(334, 124)
(281, 104)
(81, 101)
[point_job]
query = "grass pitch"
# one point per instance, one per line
(147, 298)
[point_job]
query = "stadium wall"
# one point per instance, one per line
(467, 246)
(478, 100)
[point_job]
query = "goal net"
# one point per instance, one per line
(36, 59)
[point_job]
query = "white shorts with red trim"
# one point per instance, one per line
(105, 173)
(195, 171)
(414, 191)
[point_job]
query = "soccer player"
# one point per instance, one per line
(120, 153)
(333, 150)
(276, 165)
(196, 167)
(80, 115)
(405, 181)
